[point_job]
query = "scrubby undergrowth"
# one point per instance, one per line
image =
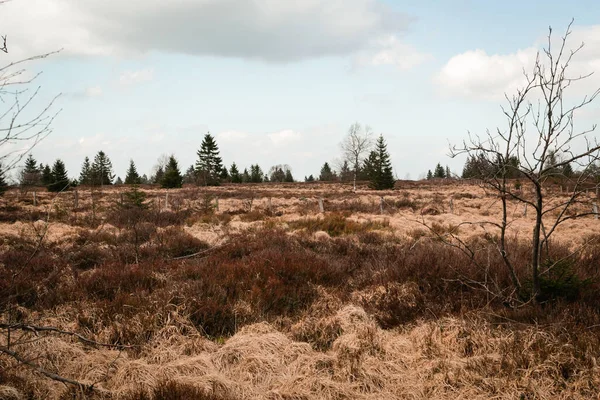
(277, 311)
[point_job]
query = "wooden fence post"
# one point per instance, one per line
(321, 207)
(217, 203)
(595, 209)
(76, 198)
(34, 199)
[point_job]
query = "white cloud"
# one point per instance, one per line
(284, 137)
(129, 78)
(269, 30)
(391, 50)
(94, 91)
(232, 136)
(476, 74)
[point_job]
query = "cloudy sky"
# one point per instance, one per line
(280, 81)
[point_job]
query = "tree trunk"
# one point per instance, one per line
(536, 242)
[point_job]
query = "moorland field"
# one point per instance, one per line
(251, 292)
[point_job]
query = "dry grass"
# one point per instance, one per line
(282, 302)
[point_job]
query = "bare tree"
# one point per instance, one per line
(21, 128)
(541, 147)
(355, 146)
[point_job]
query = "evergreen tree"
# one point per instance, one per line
(101, 170)
(144, 179)
(31, 172)
(132, 177)
(135, 198)
(439, 171)
(60, 180)
(85, 177)
(378, 167)
(429, 175)
(224, 174)
(172, 177)
(209, 164)
(309, 179)
(3, 183)
(256, 174)
(190, 175)
(277, 173)
(46, 175)
(448, 174)
(119, 181)
(326, 173)
(235, 174)
(345, 172)
(246, 176)
(288, 176)
(159, 175)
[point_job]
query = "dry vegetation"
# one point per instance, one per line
(263, 297)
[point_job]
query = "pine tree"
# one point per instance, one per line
(60, 180)
(439, 171)
(101, 170)
(309, 179)
(85, 177)
(256, 174)
(3, 183)
(378, 168)
(190, 175)
(448, 174)
(46, 175)
(429, 175)
(158, 176)
(288, 176)
(209, 164)
(235, 174)
(246, 176)
(224, 174)
(345, 172)
(31, 173)
(172, 177)
(132, 177)
(119, 181)
(326, 173)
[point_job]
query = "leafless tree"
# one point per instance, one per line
(542, 147)
(21, 127)
(355, 146)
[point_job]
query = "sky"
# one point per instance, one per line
(280, 82)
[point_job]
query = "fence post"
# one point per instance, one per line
(525, 210)
(595, 209)
(34, 199)
(451, 206)
(76, 200)
(270, 205)
(167, 200)
(217, 203)
(321, 208)
(381, 205)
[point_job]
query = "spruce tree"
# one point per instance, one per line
(158, 176)
(31, 172)
(101, 171)
(235, 174)
(288, 176)
(448, 174)
(209, 165)
(439, 172)
(85, 176)
(345, 172)
(246, 176)
(3, 183)
(172, 177)
(429, 175)
(46, 175)
(132, 177)
(224, 174)
(326, 173)
(190, 175)
(378, 168)
(310, 178)
(256, 174)
(60, 179)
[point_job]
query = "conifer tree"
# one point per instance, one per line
(132, 177)
(309, 179)
(101, 170)
(85, 177)
(190, 175)
(288, 176)
(46, 175)
(172, 177)
(439, 171)
(119, 181)
(246, 176)
(326, 173)
(209, 165)
(256, 174)
(224, 174)
(159, 175)
(60, 180)
(378, 167)
(235, 174)
(429, 175)
(31, 173)
(345, 172)
(448, 174)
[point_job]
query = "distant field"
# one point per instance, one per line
(290, 291)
